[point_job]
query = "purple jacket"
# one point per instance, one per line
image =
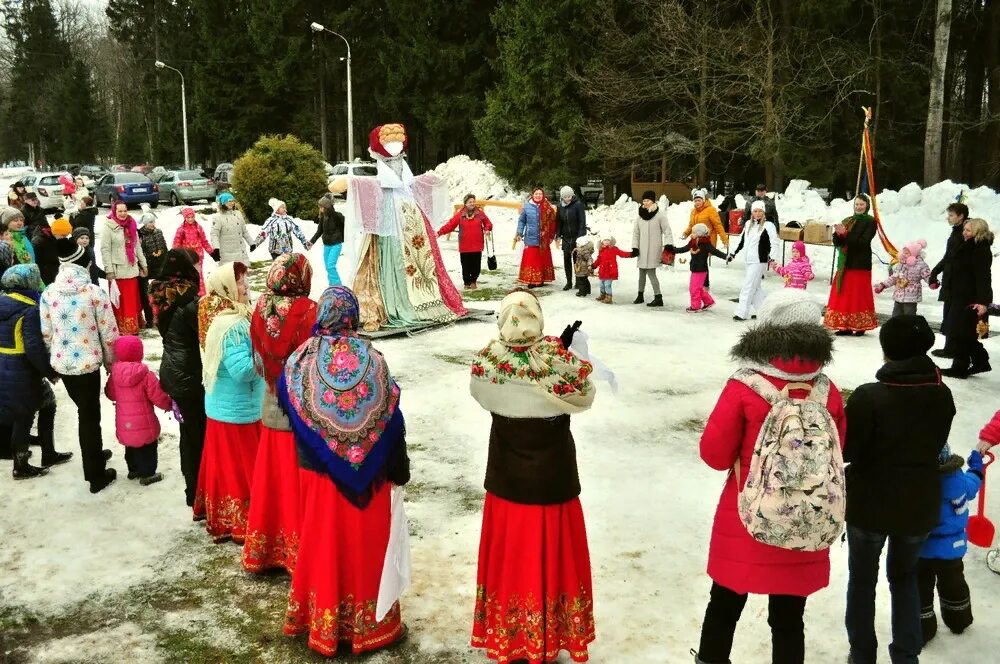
(906, 281)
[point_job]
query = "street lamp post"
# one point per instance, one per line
(184, 114)
(317, 27)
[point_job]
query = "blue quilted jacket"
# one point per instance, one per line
(238, 392)
(24, 360)
(958, 489)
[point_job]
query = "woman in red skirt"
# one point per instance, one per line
(281, 322)
(851, 307)
(233, 394)
(536, 226)
(124, 263)
(343, 407)
(534, 595)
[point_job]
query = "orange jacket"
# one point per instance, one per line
(709, 216)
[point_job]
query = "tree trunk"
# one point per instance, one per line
(935, 106)
(992, 133)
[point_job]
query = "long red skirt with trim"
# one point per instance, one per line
(853, 307)
(128, 313)
(536, 266)
(227, 464)
(272, 538)
(534, 595)
(335, 586)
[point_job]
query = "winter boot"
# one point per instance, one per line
(54, 458)
(109, 476)
(568, 286)
(600, 298)
(699, 660)
(24, 470)
(640, 298)
(152, 479)
(608, 299)
(656, 302)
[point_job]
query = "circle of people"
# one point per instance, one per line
(293, 441)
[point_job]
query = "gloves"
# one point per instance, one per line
(216, 256)
(567, 336)
(729, 258)
(879, 288)
(975, 462)
(252, 247)
(176, 410)
(671, 248)
(635, 252)
(934, 285)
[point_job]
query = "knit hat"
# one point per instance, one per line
(326, 202)
(61, 228)
(187, 211)
(8, 215)
(566, 191)
(648, 195)
(70, 252)
(758, 205)
(275, 204)
(905, 337)
(24, 277)
(699, 193)
(700, 230)
(915, 249)
(79, 232)
(128, 348)
(610, 238)
(583, 241)
(800, 247)
(790, 306)
(225, 197)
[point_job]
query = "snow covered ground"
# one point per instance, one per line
(648, 498)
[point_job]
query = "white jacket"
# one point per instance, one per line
(231, 237)
(77, 323)
(750, 243)
(113, 256)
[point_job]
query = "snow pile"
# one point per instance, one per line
(465, 175)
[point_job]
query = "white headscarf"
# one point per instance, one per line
(219, 312)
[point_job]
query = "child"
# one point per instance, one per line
(82, 238)
(44, 242)
(12, 221)
(279, 229)
(941, 557)
(583, 256)
(798, 272)
(607, 267)
(700, 247)
(190, 235)
(135, 390)
(906, 279)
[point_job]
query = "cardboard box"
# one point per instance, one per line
(816, 232)
(790, 234)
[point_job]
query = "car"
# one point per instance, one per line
(224, 182)
(352, 168)
(92, 171)
(224, 166)
(133, 188)
(119, 168)
(180, 187)
(142, 168)
(47, 187)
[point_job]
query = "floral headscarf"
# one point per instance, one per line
(220, 312)
(341, 400)
(284, 316)
(177, 278)
(22, 277)
(526, 374)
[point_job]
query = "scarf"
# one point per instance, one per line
(341, 400)
(23, 251)
(525, 374)
(177, 278)
(284, 316)
(131, 231)
(648, 214)
(219, 312)
(842, 251)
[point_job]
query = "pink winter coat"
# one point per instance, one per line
(906, 282)
(135, 390)
(798, 273)
(736, 560)
(192, 236)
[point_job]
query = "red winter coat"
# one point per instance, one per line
(135, 390)
(607, 262)
(736, 560)
(991, 432)
(470, 231)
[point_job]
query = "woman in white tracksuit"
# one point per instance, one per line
(760, 240)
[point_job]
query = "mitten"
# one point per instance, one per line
(216, 256)
(934, 285)
(176, 410)
(252, 247)
(879, 288)
(975, 462)
(729, 258)
(635, 252)
(567, 336)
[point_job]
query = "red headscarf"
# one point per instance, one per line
(284, 316)
(376, 144)
(131, 230)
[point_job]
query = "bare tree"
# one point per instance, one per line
(935, 104)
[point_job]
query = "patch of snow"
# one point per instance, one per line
(125, 642)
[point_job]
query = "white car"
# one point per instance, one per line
(47, 187)
(352, 168)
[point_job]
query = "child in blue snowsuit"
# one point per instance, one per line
(941, 557)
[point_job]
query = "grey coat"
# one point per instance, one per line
(231, 237)
(649, 236)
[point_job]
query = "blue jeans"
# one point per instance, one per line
(331, 253)
(606, 286)
(864, 551)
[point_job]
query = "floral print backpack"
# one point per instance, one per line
(794, 495)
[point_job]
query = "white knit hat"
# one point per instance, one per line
(699, 193)
(566, 191)
(275, 204)
(790, 306)
(700, 230)
(583, 241)
(758, 205)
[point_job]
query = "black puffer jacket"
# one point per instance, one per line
(895, 431)
(329, 226)
(46, 253)
(969, 274)
(571, 220)
(180, 368)
(85, 219)
(34, 218)
(943, 267)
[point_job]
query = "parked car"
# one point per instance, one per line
(352, 168)
(224, 182)
(133, 188)
(142, 168)
(46, 185)
(72, 169)
(119, 168)
(224, 166)
(180, 187)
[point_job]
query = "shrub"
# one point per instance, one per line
(279, 167)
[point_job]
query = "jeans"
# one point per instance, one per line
(192, 441)
(864, 551)
(85, 391)
(653, 279)
(700, 298)
(472, 265)
(904, 309)
(606, 286)
(141, 461)
(784, 615)
(331, 254)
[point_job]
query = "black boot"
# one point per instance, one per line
(152, 479)
(54, 458)
(568, 286)
(24, 470)
(109, 477)
(657, 301)
(639, 299)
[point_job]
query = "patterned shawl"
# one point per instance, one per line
(284, 316)
(525, 374)
(131, 231)
(177, 278)
(341, 400)
(220, 311)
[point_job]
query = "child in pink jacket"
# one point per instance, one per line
(798, 273)
(190, 235)
(135, 390)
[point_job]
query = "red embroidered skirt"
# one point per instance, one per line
(128, 313)
(853, 307)
(534, 595)
(335, 586)
(536, 266)
(272, 538)
(227, 464)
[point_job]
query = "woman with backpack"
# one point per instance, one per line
(782, 356)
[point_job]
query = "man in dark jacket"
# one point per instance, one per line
(770, 210)
(896, 428)
(34, 215)
(571, 224)
(958, 214)
(330, 226)
(85, 218)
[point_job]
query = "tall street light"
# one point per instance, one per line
(316, 27)
(184, 112)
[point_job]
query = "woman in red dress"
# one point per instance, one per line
(233, 394)
(343, 406)
(124, 263)
(851, 307)
(534, 596)
(281, 322)
(536, 226)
